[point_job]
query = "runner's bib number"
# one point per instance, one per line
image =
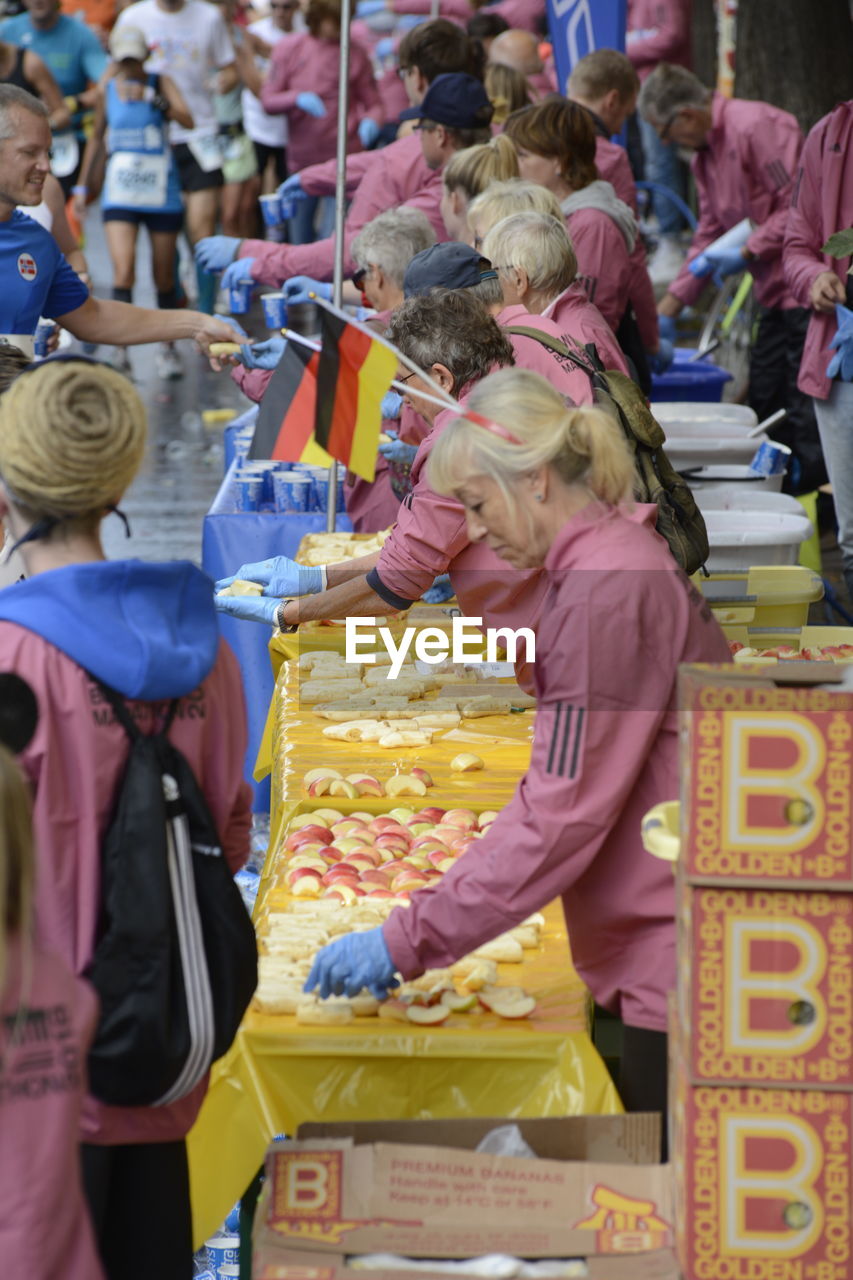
(207, 152)
(136, 180)
(64, 154)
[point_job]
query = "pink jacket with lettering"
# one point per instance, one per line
(746, 171)
(658, 31)
(574, 314)
(305, 64)
(397, 177)
(822, 203)
(605, 750)
(565, 377)
(151, 630)
(45, 1230)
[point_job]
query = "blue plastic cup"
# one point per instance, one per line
(292, 491)
(271, 210)
(239, 299)
(275, 311)
(249, 491)
(772, 459)
(287, 208)
(41, 338)
(321, 491)
(222, 1251)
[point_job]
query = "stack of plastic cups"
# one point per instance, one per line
(223, 1251)
(275, 310)
(320, 485)
(292, 491)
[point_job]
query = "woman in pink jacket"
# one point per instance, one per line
(821, 204)
(72, 437)
(48, 1017)
(544, 488)
(556, 147)
(303, 84)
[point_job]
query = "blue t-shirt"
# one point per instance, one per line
(72, 52)
(37, 281)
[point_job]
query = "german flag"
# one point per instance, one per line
(288, 407)
(353, 374)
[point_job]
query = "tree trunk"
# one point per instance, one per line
(704, 31)
(795, 54)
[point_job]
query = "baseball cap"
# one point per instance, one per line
(456, 100)
(128, 42)
(446, 266)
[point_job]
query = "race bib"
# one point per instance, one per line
(64, 154)
(136, 180)
(207, 152)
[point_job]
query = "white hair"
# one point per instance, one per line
(391, 240)
(538, 244)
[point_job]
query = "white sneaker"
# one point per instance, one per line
(666, 261)
(168, 362)
(120, 361)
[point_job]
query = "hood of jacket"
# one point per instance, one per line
(147, 630)
(600, 195)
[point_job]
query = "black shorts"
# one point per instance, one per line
(277, 154)
(190, 173)
(153, 221)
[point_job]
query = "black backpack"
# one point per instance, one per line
(679, 519)
(175, 963)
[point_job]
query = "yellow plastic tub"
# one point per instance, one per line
(763, 596)
(758, 637)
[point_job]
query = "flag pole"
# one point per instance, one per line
(340, 212)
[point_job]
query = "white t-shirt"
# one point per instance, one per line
(190, 45)
(270, 130)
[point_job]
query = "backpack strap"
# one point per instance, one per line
(586, 358)
(125, 719)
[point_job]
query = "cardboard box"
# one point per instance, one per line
(347, 1191)
(767, 777)
(762, 1182)
(765, 992)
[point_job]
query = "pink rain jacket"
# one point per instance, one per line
(526, 15)
(403, 158)
(822, 203)
(746, 171)
(612, 164)
(45, 1232)
(305, 64)
(570, 381)
(574, 314)
(604, 264)
(658, 31)
(74, 763)
(605, 750)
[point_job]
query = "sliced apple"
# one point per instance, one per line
(340, 787)
(329, 816)
(310, 819)
(465, 819)
(405, 784)
(306, 886)
(320, 786)
(425, 778)
(314, 775)
(487, 816)
(393, 1010)
(343, 891)
(365, 784)
(457, 1002)
(511, 1003)
(401, 814)
(427, 1015)
(466, 762)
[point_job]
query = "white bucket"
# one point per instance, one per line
(712, 478)
(672, 411)
(690, 444)
(740, 539)
(740, 497)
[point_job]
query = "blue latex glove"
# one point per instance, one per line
(385, 47)
(349, 964)
(397, 451)
(367, 8)
(663, 357)
(263, 355)
(842, 345)
(700, 266)
(297, 288)
(392, 404)
(248, 608)
(235, 325)
(407, 21)
(725, 262)
(291, 189)
(240, 272)
(666, 328)
(214, 253)
(312, 104)
(368, 131)
(280, 576)
(440, 591)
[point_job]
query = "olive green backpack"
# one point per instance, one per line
(679, 519)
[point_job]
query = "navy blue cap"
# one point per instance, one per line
(456, 100)
(446, 266)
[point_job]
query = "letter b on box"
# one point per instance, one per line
(307, 1184)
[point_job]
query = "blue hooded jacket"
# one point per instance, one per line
(148, 630)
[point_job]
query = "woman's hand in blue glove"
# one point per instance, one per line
(248, 608)
(725, 262)
(349, 964)
(368, 131)
(279, 576)
(367, 8)
(214, 253)
(297, 289)
(240, 272)
(263, 355)
(291, 189)
(661, 359)
(392, 404)
(666, 328)
(312, 104)
(398, 451)
(441, 590)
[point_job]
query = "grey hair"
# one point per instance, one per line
(12, 96)
(450, 327)
(540, 245)
(668, 90)
(488, 291)
(391, 240)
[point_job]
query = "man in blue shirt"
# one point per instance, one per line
(37, 281)
(74, 55)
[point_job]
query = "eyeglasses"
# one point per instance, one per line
(406, 379)
(359, 276)
(402, 72)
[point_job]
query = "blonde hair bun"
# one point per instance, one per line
(72, 438)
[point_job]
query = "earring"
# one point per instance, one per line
(540, 497)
